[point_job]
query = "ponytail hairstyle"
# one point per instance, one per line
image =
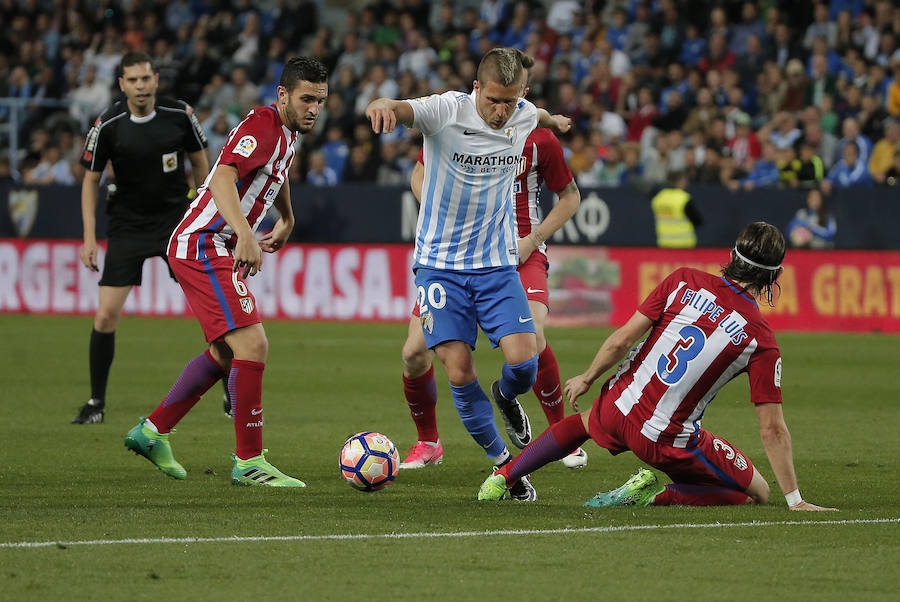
(756, 260)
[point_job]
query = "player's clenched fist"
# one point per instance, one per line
(562, 124)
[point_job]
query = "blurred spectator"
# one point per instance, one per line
(850, 128)
(821, 27)
(359, 168)
(719, 55)
(782, 47)
(825, 144)
(750, 27)
(813, 227)
(884, 151)
(390, 171)
(795, 93)
(850, 171)
(744, 146)
(693, 48)
(872, 117)
(579, 158)
(805, 170)
(52, 169)
(335, 151)
(646, 113)
(607, 172)
(378, 85)
(244, 93)
(319, 173)
(764, 172)
(782, 131)
(91, 96)
(608, 122)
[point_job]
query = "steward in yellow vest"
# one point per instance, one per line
(675, 215)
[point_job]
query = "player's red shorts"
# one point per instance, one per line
(533, 274)
(713, 461)
(218, 296)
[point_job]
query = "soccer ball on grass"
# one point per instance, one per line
(369, 461)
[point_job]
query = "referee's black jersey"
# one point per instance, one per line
(147, 155)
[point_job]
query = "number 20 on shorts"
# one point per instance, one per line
(435, 297)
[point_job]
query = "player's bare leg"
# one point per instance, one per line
(547, 386)
(250, 348)
(102, 349)
(517, 376)
(420, 389)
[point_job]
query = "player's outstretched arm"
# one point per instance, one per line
(247, 254)
(569, 200)
(611, 352)
(385, 114)
(560, 124)
(777, 440)
(89, 198)
(278, 237)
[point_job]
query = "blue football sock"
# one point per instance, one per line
(517, 379)
(477, 414)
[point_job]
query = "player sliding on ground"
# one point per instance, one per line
(465, 256)
(704, 331)
(542, 162)
(213, 250)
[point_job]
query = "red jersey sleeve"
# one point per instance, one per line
(251, 144)
(421, 157)
(551, 162)
(764, 370)
(655, 303)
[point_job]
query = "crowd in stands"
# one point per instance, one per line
(740, 94)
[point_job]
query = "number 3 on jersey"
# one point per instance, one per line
(671, 366)
(436, 297)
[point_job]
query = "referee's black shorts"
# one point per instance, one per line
(124, 261)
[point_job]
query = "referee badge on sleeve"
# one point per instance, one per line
(170, 162)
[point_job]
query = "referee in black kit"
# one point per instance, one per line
(146, 138)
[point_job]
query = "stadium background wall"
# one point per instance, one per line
(867, 218)
(853, 291)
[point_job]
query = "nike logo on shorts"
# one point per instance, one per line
(523, 319)
(531, 291)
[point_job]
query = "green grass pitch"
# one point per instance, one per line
(77, 484)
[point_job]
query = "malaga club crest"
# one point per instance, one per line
(510, 135)
(23, 209)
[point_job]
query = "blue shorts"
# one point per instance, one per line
(453, 304)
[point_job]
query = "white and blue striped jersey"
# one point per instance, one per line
(466, 220)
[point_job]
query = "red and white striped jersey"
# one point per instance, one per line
(261, 148)
(706, 331)
(542, 162)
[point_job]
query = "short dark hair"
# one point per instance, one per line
(504, 66)
(302, 68)
(761, 243)
(135, 58)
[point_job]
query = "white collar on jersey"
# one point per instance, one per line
(143, 119)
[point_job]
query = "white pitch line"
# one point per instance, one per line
(611, 529)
